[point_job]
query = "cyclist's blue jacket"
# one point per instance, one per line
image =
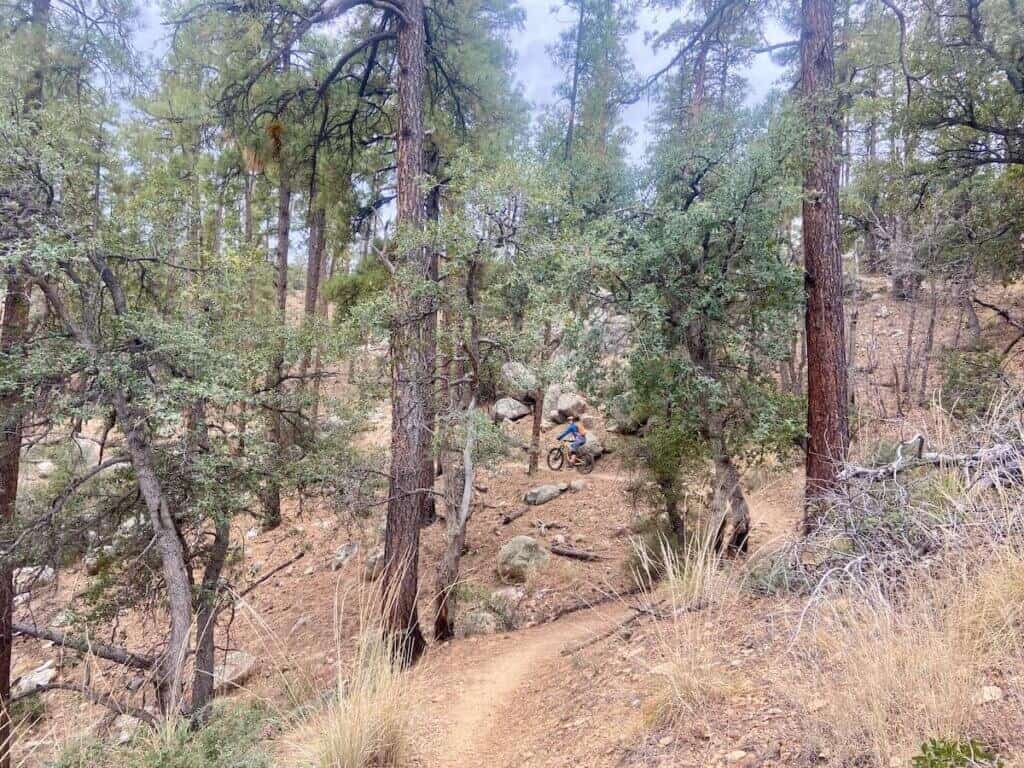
(573, 429)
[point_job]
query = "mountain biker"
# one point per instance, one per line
(579, 438)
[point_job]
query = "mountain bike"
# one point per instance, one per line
(558, 457)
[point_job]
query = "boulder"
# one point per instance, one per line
(37, 678)
(374, 566)
(233, 671)
(479, 621)
(571, 404)
(519, 557)
(542, 494)
(578, 485)
(126, 727)
(45, 469)
(507, 408)
(594, 447)
(551, 395)
(343, 554)
(518, 381)
(555, 416)
(27, 579)
(505, 602)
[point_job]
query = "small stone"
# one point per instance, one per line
(343, 554)
(989, 694)
(252, 534)
(310, 570)
(735, 756)
(665, 741)
(299, 624)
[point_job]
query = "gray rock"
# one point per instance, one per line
(554, 391)
(518, 381)
(505, 602)
(571, 404)
(32, 577)
(37, 678)
(343, 554)
(126, 727)
(479, 621)
(510, 409)
(233, 671)
(594, 447)
(45, 469)
(519, 557)
(578, 485)
(374, 566)
(555, 417)
(542, 494)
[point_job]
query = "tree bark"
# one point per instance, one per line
(827, 422)
(13, 333)
(574, 90)
(411, 379)
(271, 492)
(730, 505)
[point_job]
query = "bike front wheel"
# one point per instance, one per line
(555, 459)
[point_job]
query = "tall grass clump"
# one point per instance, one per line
(696, 596)
(368, 721)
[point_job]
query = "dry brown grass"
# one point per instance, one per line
(698, 591)
(884, 674)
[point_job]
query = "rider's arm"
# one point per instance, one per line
(568, 431)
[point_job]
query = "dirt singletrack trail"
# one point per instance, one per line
(481, 690)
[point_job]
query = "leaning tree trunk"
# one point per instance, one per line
(13, 335)
(459, 497)
(827, 424)
(729, 506)
(411, 378)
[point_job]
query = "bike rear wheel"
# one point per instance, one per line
(555, 459)
(586, 463)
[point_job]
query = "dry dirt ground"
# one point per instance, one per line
(532, 697)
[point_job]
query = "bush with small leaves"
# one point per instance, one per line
(945, 753)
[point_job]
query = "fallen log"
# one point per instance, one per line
(1001, 455)
(508, 517)
(104, 651)
(574, 554)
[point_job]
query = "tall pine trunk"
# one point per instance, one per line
(411, 377)
(827, 424)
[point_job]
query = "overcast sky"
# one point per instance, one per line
(545, 19)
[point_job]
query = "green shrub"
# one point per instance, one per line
(944, 753)
(971, 380)
(229, 740)
(28, 711)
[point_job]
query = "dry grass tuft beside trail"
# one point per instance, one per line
(368, 723)
(699, 590)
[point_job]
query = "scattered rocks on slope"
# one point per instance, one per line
(233, 671)
(512, 410)
(343, 554)
(542, 494)
(126, 727)
(518, 557)
(37, 678)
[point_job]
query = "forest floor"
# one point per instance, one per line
(558, 690)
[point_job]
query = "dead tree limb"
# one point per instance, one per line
(510, 516)
(104, 651)
(999, 455)
(269, 574)
(575, 554)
